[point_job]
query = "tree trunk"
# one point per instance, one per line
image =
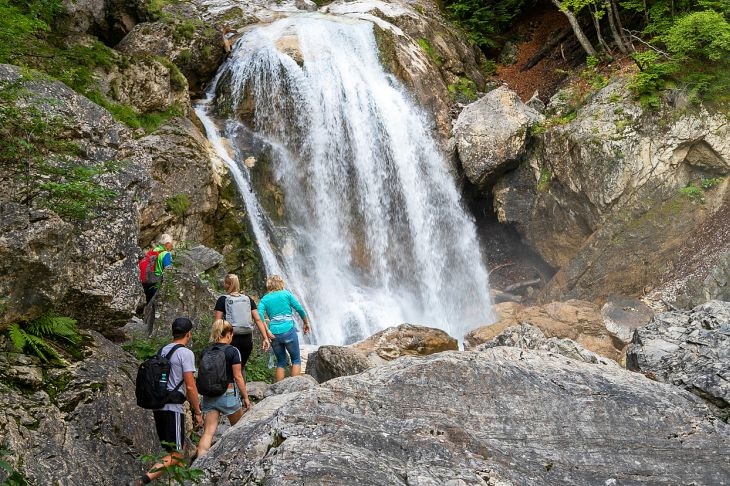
(584, 42)
(597, 26)
(620, 26)
(616, 36)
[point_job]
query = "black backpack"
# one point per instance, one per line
(212, 377)
(151, 385)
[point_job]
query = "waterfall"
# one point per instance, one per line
(361, 215)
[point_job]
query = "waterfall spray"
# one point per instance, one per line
(368, 227)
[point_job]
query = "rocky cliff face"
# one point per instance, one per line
(86, 269)
(69, 425)
(417, 45)
(501, 416)
(596, 190)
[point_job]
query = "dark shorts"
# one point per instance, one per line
(170, 429)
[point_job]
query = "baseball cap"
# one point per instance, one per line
(181, 325)
(165, 238)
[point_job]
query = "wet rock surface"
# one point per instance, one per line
(400, 422)
(690, 350)
(81, 422)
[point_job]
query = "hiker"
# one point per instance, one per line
(277, 304)
(229, 403)
(170, 419)
(240, 310)
(158, 258)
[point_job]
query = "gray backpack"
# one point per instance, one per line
(238, 313)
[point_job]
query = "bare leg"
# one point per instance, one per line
(173, 459)
(211, 424)
(235, 417)
(296, 370)
(279, 375)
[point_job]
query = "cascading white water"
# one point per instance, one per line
(373, 232)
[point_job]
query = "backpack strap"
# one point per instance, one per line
(167, 357)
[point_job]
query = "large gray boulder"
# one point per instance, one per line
(329, 362)
(688, 349)
(86, 268)
(502, 416)
(79, 422)
(405, 340)
(491, 134)
(525, 336)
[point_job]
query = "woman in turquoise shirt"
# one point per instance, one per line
(275, 308)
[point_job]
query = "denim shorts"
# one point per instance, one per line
(286, 342)
(226, 404)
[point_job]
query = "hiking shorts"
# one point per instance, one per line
(286, 342)
(227, 404)
(170, 429)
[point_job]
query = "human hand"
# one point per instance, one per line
(306, 328)
(270, 336)
(198, 419)
(266, 345)
(246, 404)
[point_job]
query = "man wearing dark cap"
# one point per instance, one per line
(170, 420)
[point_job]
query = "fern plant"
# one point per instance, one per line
(37, 337)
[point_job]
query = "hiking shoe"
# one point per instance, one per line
(141, 481)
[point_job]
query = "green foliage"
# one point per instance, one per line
(463, 90)
(710, 183)
(699, 35)
(543, 183)
(40, 164)
(12, 476)
(489, 67)
(145, 347)
(693, 193)
(27, 40)
(178, 204)
(42, 337)
(430, 51)
(485, 20)
(176, 471)
(257, 367)
(697, 59)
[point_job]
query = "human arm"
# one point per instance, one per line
(238, 378)
(220, 308)
(262, 318)
(262, 328)
(294, 303)
(191, 392)
(167, 260)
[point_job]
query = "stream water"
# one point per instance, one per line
(362, 217)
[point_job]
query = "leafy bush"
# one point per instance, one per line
(485, 20)
(698, 60)
(43, 336)
(178, 204)
(464, 90)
